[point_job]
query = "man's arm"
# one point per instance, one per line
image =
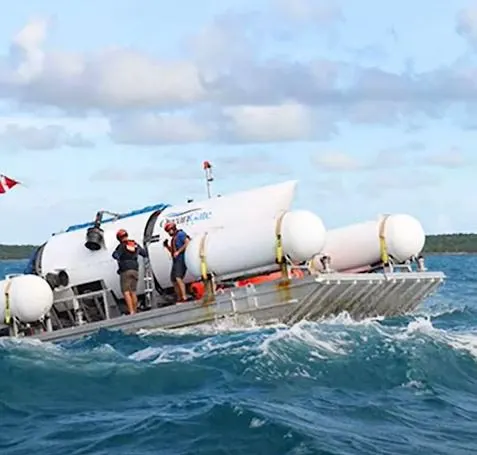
(142, 251)
(167, 245)
(116, 253)
(184, 246)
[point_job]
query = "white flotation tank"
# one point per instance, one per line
(30, 297)
(358, 245)
(238, 249)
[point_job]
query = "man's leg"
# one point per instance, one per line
(134, 301)
(173, 277)
(126, 287)
(129, 301)
(133, 287)
(181, 294)
(180, 274)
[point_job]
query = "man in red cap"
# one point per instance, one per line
(177, 248)
(126, 254)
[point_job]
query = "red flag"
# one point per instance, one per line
(6, 183)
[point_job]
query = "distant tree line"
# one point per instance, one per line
(16, 251)
(441, 243)
(451, 243)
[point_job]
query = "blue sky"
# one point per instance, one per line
(107, 105)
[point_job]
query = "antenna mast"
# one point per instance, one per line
(208, 177)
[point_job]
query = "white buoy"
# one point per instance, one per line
(30, 297)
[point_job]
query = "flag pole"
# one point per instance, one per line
(208, 177)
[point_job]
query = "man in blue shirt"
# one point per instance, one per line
(177, 248)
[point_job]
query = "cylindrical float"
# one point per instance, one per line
(29, 296)
(351, 247)
(234, 250)
(68, 251)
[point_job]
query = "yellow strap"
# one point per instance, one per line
(209, 296)
(279, 246)
(278, 236)
(383, 249)
(6, 292)
(203, 258)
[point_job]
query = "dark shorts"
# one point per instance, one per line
(179, 268)
(128, 280)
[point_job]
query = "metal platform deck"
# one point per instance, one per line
(313, 297)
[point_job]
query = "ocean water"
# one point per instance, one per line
(398, 386)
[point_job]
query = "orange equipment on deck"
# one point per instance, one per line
(197, 288)
(259, 279)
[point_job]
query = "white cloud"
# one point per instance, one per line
(41, 138)
(322, 12)
(26, 46)
(369, 112)
(228, 92)
(152, 129)
(286, 122)
(121, 78)
(452, 158)
(386, 159)
(258, 163)
(377, 185)
(124, 78)
(410, 155)
(240, 124)
(398, 156)
(170, 184)
(466, 24)
(221, 43)
(142, 174)
(336, 162)
(189, 168)
(108, 79)
(88, 126)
